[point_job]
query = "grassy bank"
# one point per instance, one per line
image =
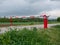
(27, 23)
(31, 37)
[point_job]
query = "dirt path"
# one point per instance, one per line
(3, 29)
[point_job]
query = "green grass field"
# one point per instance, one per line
(33, 36)
(27, 23)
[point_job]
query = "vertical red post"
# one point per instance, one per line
(10, 21)
(45, 22)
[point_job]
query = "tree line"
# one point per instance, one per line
(24, 20)
(21, 20)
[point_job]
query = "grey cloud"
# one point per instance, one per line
(55, 4)
(25, 7)
(1, 1)
(34, 0)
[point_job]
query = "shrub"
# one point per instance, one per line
(29, 37)
(58, 19)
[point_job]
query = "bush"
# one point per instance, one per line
(58, 19)
(21, 20)
(27, 37)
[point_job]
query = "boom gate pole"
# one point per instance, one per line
(45, 21)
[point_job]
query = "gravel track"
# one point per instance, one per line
(3, 29)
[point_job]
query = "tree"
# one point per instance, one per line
(58, 19)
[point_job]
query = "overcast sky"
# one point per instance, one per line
(29, 7)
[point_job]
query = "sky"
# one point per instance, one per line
(30, 7)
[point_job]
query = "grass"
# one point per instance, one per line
(23, 23)
(33, 36)
(5, 24)
(57, 26)
(26, 23)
